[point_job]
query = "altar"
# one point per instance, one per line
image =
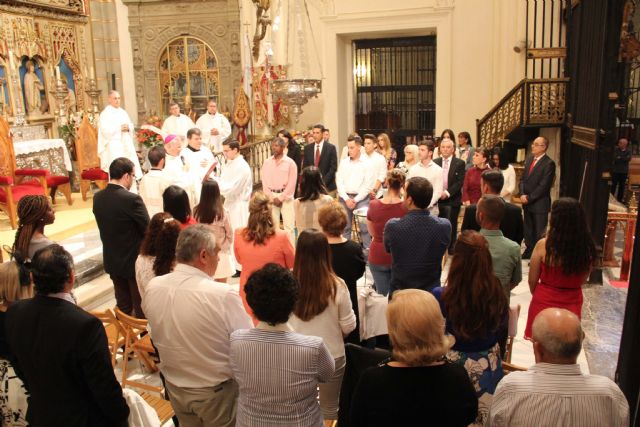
(49, 154)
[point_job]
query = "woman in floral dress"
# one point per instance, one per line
(476, 311)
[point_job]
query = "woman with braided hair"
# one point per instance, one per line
(34, 212)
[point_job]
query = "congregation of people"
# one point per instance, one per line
(272, 351)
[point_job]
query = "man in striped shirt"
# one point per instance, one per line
(554, 392)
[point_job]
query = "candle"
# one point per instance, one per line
(92, 73)
(57, 72)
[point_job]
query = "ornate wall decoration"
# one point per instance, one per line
(268, 111)
(27, 38)
(153, 26)
(70, 6)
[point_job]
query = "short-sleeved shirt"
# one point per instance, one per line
(507, 261)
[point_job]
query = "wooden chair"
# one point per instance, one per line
(140, 347)
(88, 160)
(115, 338)
(507, 366)
(13, 187)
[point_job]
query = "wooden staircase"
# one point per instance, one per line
(531, 103)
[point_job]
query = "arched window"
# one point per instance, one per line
(189, 75)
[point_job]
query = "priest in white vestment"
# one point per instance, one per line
(176, 169)
(177, 123)
(152, 184)
(115, 136)
(214, 126)
(198, 159)
(236, 185)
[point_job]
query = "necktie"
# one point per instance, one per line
(317, 159)
(445, 174)
(533, 163)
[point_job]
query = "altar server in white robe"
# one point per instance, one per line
(152, 184)
(115, 136)
(176, 170)
(214, 126)
(236, 185)
(198, 159)
(177, 123)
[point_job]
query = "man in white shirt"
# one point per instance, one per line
(378, 165)
(426, 168)
(214, 126)
(198, 160)
(236, 185)
(177, 123)
(115, 136)
(554, 391)
(152, 183)
(191, 318)
(176, 169)
(354, 185)
(279, 174)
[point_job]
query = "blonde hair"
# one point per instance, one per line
(386, 142)
(10, 288)
(413, 149)
(260, 225)
(416, 328)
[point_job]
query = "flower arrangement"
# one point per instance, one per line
(147, 137)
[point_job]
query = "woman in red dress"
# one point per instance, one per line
(561, 262)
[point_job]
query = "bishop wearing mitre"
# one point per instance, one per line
(115, 136)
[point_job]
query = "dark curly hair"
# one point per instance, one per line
(148, 245)
(272, 293)
(166, 241)
(475, 301)
(569, 243)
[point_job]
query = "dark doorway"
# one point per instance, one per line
(395, 85)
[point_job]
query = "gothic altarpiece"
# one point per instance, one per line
(42, 44)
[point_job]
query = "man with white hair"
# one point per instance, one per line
(191, 318)
(214, 126)
(115, 136)
(176, 168)
(177, 123)
(554, 392)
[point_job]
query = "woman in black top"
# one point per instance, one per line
(347, 258)
(293, 152)
(418, 387)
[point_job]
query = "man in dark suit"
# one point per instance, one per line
(60, 351)
(453, 170)
(122, 220)
(323, 155)
(491, 182)
(535, 192)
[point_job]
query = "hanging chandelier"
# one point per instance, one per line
(296, 92)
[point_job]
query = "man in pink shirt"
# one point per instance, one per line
(278, 177)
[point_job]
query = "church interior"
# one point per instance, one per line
(505, 71)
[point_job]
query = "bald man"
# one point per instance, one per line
(554, 392)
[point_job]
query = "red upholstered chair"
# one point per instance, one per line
(51, 182)
(88, 160)
(14, 187)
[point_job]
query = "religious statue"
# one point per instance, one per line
(32, 88)
(262, 21)
(70, 99)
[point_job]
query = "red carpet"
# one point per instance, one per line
(619, 284)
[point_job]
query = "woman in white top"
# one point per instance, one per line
(323, 309)
(313, 195)
(508, 172)
(158, 249)
(410, 158)
(211, 212)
